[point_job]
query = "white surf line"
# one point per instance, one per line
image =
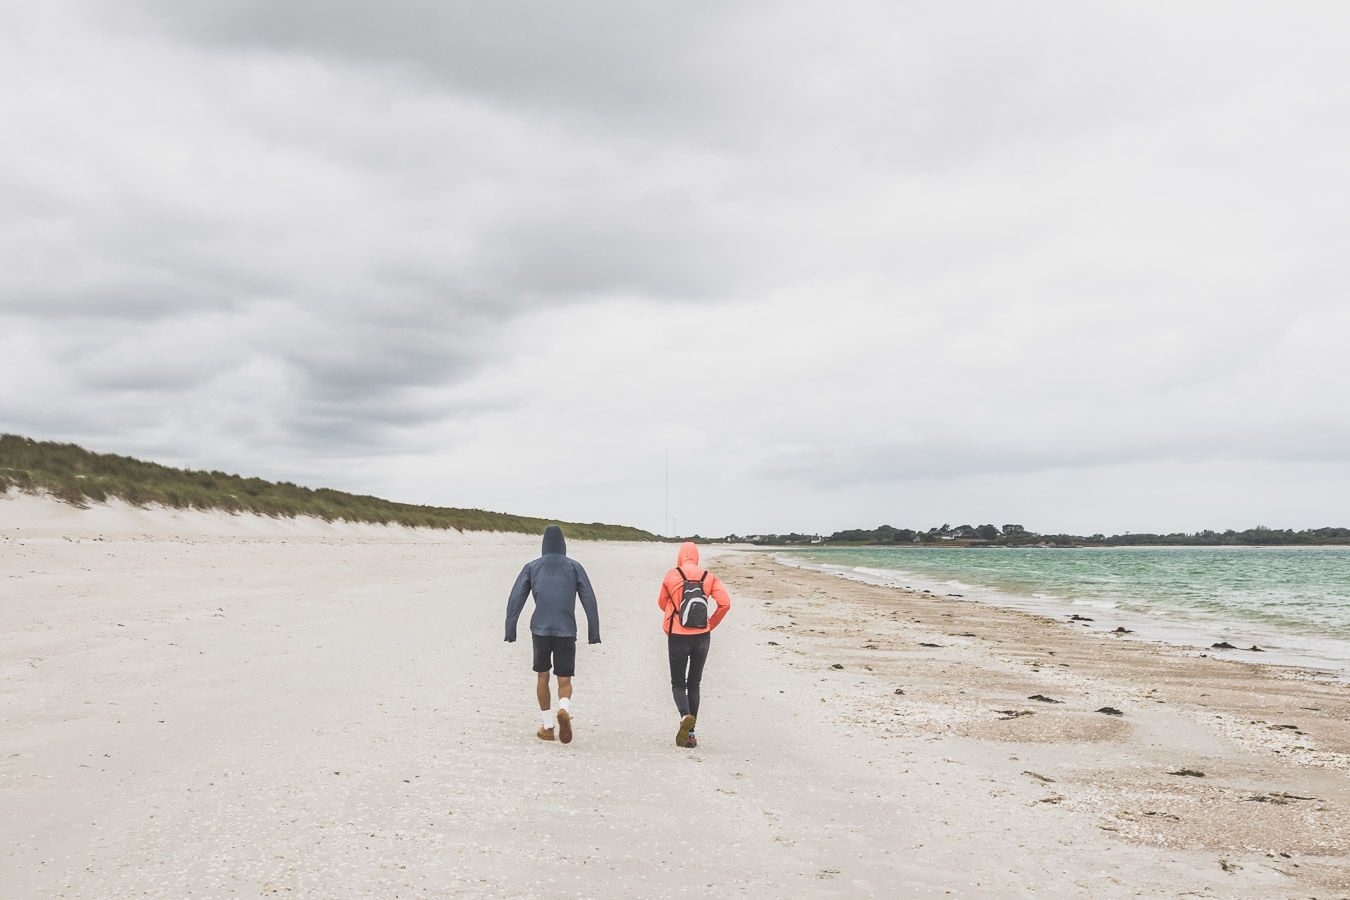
(1194, 633)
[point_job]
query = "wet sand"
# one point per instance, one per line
(1272, 742)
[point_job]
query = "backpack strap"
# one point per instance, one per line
(675, 604)
(702, 578)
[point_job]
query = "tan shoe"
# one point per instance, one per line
(544, 734)
(564, 726)
(686, 726)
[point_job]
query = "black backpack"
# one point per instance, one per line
(693, 606)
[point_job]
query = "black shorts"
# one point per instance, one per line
(562, 650)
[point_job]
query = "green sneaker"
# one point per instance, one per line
(682, 736)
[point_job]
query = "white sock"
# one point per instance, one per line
(565, 703)
(547, 716)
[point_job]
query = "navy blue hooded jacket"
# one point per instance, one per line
(556, 582)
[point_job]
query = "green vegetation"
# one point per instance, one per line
(79, 477)
(1017, 536)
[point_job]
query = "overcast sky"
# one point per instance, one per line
(1081, 266)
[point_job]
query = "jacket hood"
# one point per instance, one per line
(688, 554)
(553, 541)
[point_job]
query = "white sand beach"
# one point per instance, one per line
(204, 705)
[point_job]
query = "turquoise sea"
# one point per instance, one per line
(1294, 602)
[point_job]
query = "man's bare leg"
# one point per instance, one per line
(545, 705)
(564, 715)
(541, 689)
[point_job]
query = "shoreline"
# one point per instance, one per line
(1186, 629)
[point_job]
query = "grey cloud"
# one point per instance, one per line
(872, 82)
(616, 55)
(953, 242)
(647, 250)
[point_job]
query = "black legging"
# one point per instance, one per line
(688, 652)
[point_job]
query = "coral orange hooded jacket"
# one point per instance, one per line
(673, 587)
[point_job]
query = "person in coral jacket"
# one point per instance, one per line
(693, 601)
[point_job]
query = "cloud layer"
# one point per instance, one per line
(1077, 266)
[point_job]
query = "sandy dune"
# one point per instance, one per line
(200, 705)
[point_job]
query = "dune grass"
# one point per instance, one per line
(80, 477)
